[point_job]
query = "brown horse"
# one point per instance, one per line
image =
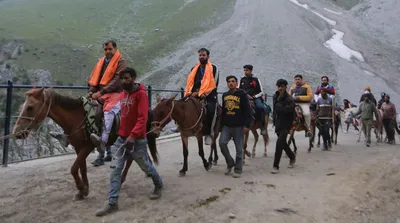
(189, 114)
(68, 112)
(335, 128)
(253, 128)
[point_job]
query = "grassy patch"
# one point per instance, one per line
(65, 37)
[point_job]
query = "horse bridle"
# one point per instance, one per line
(158, 124)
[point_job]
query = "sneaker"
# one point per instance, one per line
(208, 140)
(291, 163)
(96, 140)
(156, 193)
(237, 174)
(264, 131)
(107, 209)
(98, 162)
(63, 139)
(275, 170)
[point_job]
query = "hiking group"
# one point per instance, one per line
(120, 103)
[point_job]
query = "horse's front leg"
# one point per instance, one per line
(214, 151)
(80, 162)
(266, 141)
(319, 139)
(201, 151)
(246, 138)
(256, 137)
(182, 172)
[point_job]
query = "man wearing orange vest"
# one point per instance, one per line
(105, 87)
(203, 82)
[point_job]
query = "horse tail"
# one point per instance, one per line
(151, 142)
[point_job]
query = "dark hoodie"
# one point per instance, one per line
(134, 112)
(236, 109)
(283, 112)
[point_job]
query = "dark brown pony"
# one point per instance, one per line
(335, 128)
(189, 114)
(68, 112)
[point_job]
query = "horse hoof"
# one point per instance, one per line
(253, 155)
(182, 174)
(318, 146)
(215, 163)
(247, 153)
(208, 167)
(78, 197)
(309, 151)
(85, 192)
(265, 155)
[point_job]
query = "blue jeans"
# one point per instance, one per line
(260, 109)
(237, 133)
(140, 156)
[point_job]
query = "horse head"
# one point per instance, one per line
(162, 114)
(33, 111)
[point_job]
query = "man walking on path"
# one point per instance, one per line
(236, 115)
(389, 118)
(367, 110)
(283, 114)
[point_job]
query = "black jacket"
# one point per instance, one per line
(370, 96)
(236, 109)
(283, 113)
(252, 86)
(380, 103)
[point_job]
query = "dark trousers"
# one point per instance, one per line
(211, 105)
(324, 126)
(281, 144)
(389, 128)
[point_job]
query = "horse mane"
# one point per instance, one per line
(64, 101)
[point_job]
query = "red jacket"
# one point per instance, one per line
(134, 113)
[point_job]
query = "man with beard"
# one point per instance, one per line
(202, 83)
(367, 110)
(325, 85)
(131, 136)
(105, 87)
(389, 118)
(283, 117)
(252, 86)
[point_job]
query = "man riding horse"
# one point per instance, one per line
(104, 87)
(302, 95)
(252, 86)
(203, 82)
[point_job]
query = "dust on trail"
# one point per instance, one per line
(323, 187)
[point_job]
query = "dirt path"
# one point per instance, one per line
(42, 190)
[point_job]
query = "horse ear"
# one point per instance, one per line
(158, 98)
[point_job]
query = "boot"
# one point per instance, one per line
(63, 139)
(156, 193)
(107, 209)
(96, 140)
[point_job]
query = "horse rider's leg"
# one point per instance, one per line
(260, 109)
(126, 169)
(256, 137)
(210, 113)
(226, 134)
(185, 142)
(246, 138)
(82, 153)
(201, 151)
(307, 117)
